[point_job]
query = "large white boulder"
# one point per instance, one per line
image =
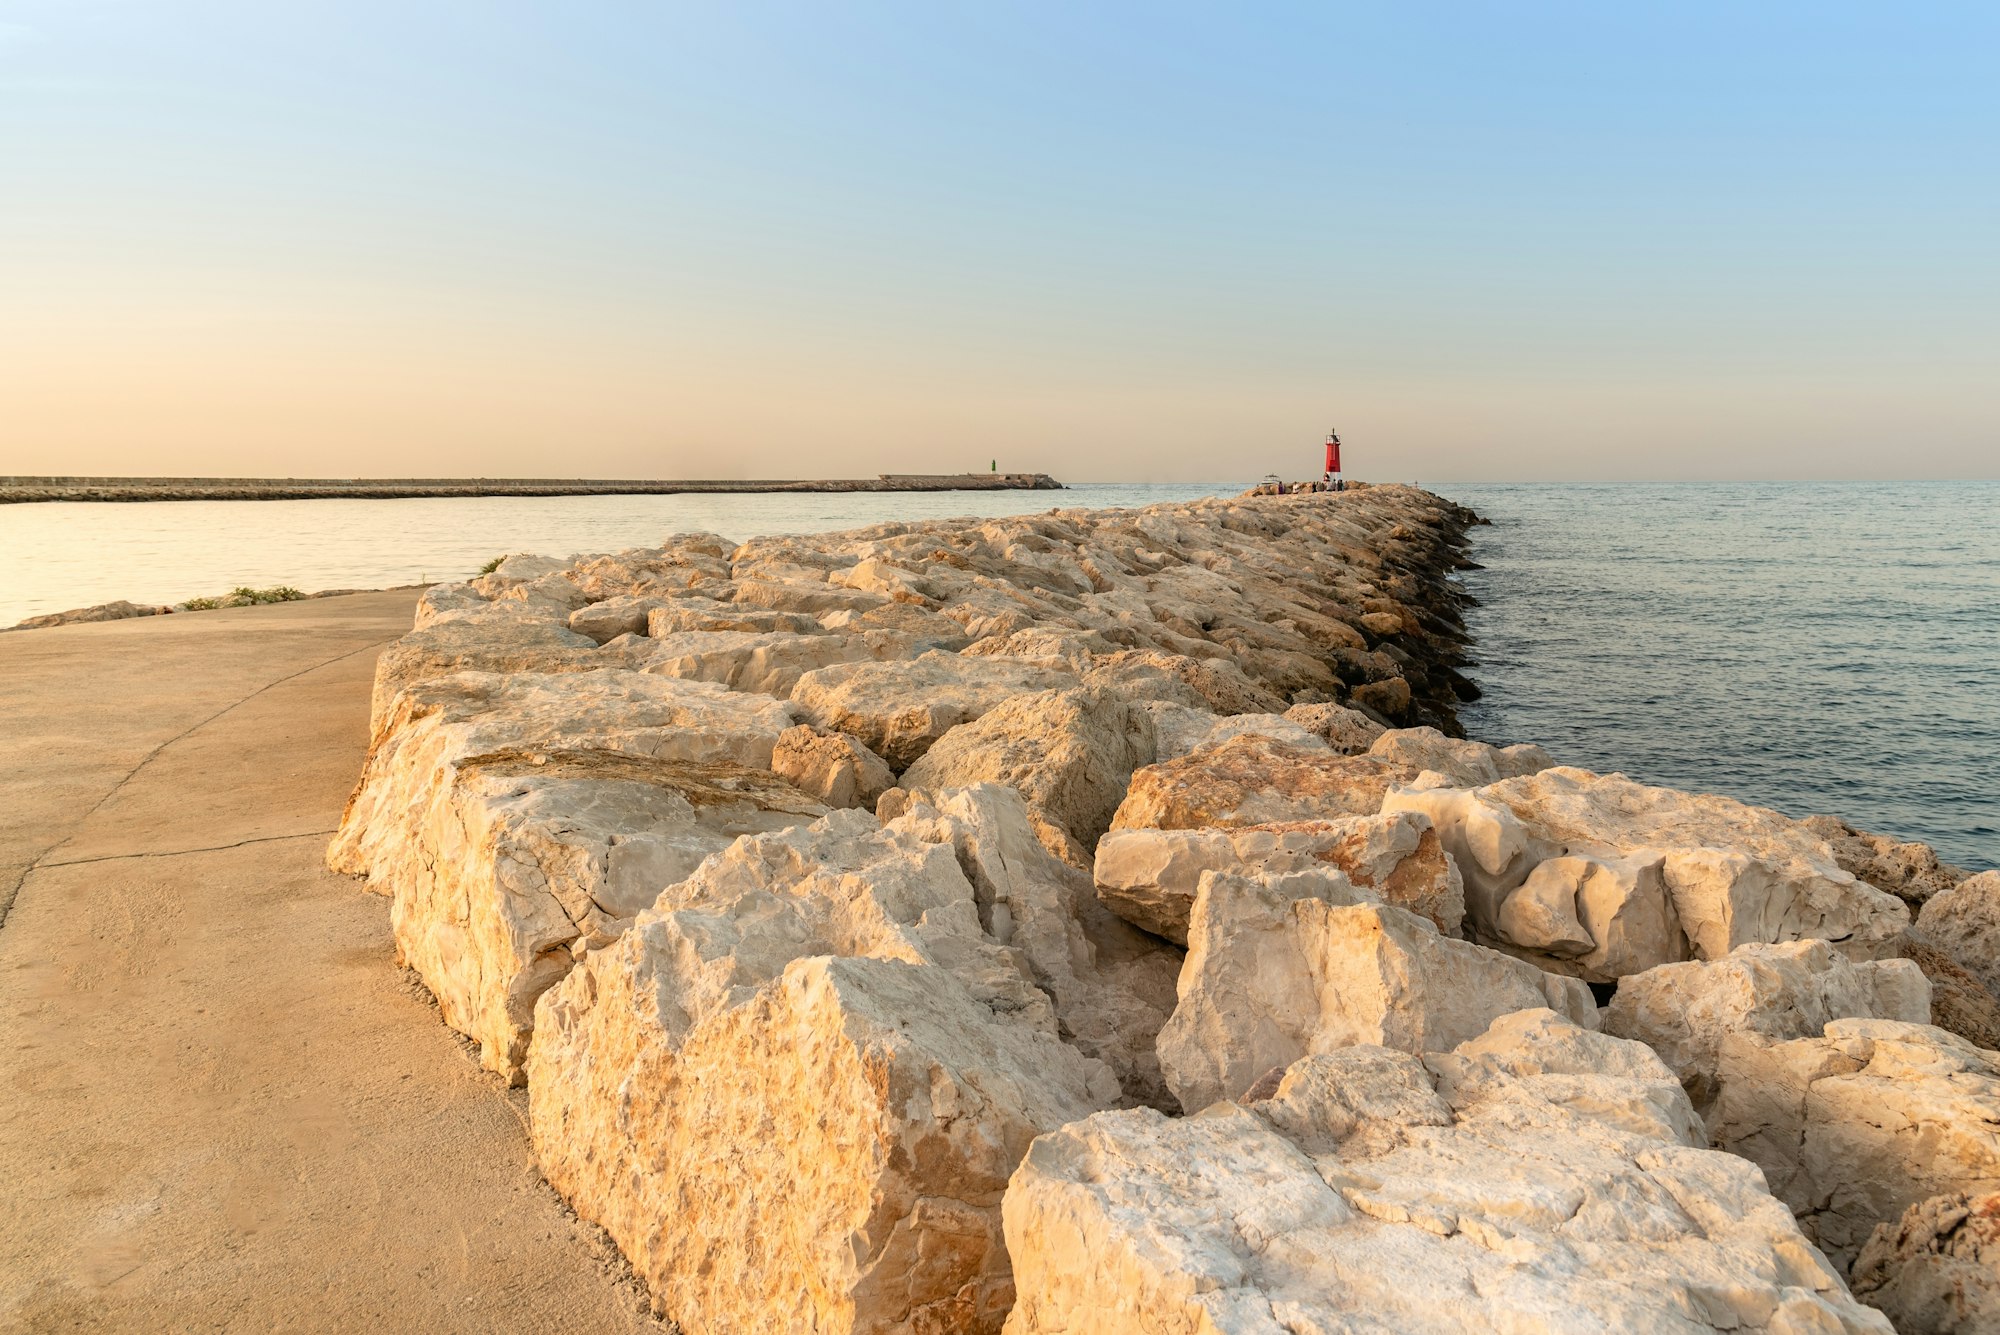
(1348, 731)
(1295, 964)
(1253, 779)
(1649, 875)
(1538, 1179)
(1854, 1127)
(1964, 922)
(1070, 753)
(1685, 1011)
(899, 710)
(1149, 877)
(1466, 763)
(1181, 729)
(792, 1093)
(519, 820)
(1113, 986)
(768, 662)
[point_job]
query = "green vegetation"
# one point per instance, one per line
(245, 596)
(492, 565)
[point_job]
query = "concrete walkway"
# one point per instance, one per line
(222, 1106)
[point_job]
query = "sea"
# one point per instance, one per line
(1813, 647)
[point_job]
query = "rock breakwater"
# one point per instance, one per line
(22, 490)
(1093, 921)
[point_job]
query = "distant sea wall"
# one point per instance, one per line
(26, 489)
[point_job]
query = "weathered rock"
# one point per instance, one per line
(1960, 1003)
(120, 610)
(1854, 1127)
(1367, 1194)
(899, 710)
(1964, 922)
(1181, 730)
(1910, 871)
(1113, 986)
(700, 613)
(1348, 731)
(624, 614)
(1298, 964)
(1467, 764)
(1657, 874)
(766, 663)
(484, 638)
(1070, 753)
(1214, 683)
(1936, 1271)
(831, 766)
(1149, 877)
(1684, 1011)
(1389, 697)
(1255, 780)
(794, 1091)
(518, 820)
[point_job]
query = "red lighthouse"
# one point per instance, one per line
(1333, 478)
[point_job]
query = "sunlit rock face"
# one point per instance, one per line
(1538, 1176)
(809, 882)
(1601, 877)
(1149, 877)
(1854, 1126)
(518, 820)
(794, 1090)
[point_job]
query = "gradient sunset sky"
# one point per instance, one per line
(1110, 242)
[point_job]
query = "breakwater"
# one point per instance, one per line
(30, 489)
(888, 925)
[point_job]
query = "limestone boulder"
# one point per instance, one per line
(485, 637)
(1468, 764)
(1651, 875)
(518, 820)
(831, 766)
(1910, 871)
(699, 613)
(1365, 1192)
(1112, 985)
(1964, 922)
(1216, 684)
(1070, 753)
(1256, 780)
(899, 710)
(1181, 729)
(1779, 992)
(1936, 1271)
(768, 663)
(683, 564)
(1348, 731)
(793, 1092)
(1149, 877)
(1855, 1126)
(623, 614)
(1290, 965)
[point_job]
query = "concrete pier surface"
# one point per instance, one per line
(220, 1108)
(25, 489)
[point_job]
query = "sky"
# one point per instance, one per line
(1112, 242)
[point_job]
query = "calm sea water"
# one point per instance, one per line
(1816, 647)
(1812, 647)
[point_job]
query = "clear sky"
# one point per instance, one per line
(1112, 242)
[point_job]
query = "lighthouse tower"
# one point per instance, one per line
(1333, 480)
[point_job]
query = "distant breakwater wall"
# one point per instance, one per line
(27, 489)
